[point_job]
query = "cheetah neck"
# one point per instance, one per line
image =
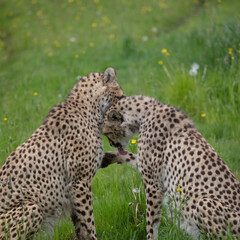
(141, 110)
(87, 105)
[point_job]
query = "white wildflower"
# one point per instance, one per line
(192, 72)
(195, 66)
(154, 29)
(144, 38)
(194, 69)
(136, 190)
(72, 39)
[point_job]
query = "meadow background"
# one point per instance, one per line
(45, 45)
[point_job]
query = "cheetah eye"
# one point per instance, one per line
(115, 116)
(133, 129)
(108, 133)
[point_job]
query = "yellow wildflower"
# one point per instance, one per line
(35, 93)
(100, 8)
(76, 56)
(3, 34)
(111, 36)
(146, 9)
(91, 44)
(203, 115)
(233, 58)
(179, 189)
(46, 22)
(83, 52)
(56, 43)
(164, 50)
(1, 44)
(94, 25)
(35, 41)
(5, 119)
(160, 62)
(77, 17)
(39, 13)
(133, 141)
(106, 20)
(163, 5)
(114, 26)
(96, 1)
(70, 1)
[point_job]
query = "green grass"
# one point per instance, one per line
(45, 45)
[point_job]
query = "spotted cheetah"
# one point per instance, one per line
(52, 171)
(173, 154)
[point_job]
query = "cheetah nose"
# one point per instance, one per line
(118, 145)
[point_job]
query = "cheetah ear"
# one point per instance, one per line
(110, 75)
(115, 116)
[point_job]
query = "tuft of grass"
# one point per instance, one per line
(63, 230)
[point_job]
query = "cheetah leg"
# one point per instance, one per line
(82, 211)
(154, 203)
(115, 157)
(216, 220)
(20, 222)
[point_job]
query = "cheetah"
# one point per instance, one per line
(173, 156)
(51, 172)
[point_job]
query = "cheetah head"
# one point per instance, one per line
(100, 90)
(119, 128)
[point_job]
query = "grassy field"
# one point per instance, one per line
(45, 45)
